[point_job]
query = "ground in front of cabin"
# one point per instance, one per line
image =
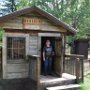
(86, 84)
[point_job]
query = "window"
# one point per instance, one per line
(15, 48)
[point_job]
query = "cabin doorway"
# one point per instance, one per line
(56, 44)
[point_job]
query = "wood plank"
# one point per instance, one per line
(64, 87)
(32, 23)
(14, 23)
(17, 68)
(33, 45)
(17, 75)
(49, 34)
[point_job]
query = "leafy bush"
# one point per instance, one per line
(1, 33)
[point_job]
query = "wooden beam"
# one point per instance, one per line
(62, 53)
(4, 58)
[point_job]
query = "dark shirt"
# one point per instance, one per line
(48, 51)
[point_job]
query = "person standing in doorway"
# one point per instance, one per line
(48, 53)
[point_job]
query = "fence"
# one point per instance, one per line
(74, 65)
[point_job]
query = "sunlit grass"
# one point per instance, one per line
(86, 84)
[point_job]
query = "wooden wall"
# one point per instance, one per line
(17, 70)
(31, 23)
(20, 68)
(33, 45)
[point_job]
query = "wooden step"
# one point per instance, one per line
(64, 87)
(50, 81)
(68, 76)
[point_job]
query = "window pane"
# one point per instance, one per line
(15, 53)
(9, 53)
(21, 53)
(9, 44)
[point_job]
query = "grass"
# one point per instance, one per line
(86, 84)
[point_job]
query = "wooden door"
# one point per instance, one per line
(57, 60)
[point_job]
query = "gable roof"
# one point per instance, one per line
(41, 12)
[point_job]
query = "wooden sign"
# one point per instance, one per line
(28, 21)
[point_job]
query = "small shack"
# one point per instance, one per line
(25, 34)
(81, 47)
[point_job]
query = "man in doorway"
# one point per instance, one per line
(48, 53)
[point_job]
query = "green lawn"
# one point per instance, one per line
(86, 84)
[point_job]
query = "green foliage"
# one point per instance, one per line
(1, 34)
(8, 6)
(86, 84)
(76, 13)
(22, 4)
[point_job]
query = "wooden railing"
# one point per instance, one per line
(34, 70)
(74, 65)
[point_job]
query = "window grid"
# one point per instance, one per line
(15, 48)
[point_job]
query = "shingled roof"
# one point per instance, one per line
(41, 12)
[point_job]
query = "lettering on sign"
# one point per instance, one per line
(28, 21)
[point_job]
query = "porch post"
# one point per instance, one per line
(4, 62)
(34, 71)
(63, 53)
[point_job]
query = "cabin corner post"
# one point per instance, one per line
(63, 53)
(4, 62)
(34, 71)
(38, 72)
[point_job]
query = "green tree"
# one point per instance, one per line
(8, 6)
(1, 34)
(74, 12)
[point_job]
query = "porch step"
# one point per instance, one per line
(56, 82)
(64, 87)
(49, 81)
(68, 76)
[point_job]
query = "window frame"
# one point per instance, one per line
(13, 48)
(26, 45)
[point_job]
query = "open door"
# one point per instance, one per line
(57, 65)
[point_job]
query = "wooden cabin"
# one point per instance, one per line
(25, 34)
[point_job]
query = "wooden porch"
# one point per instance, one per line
(67, 81)
(71, 76)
